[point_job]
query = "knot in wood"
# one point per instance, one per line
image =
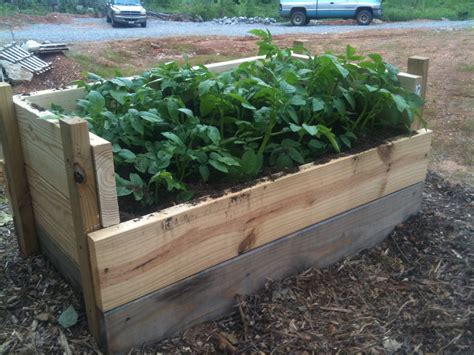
(79, 174)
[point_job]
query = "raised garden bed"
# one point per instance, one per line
(153, 276)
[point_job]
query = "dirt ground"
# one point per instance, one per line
(410, 294)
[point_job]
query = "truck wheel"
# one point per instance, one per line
(298, 18)
(108, 19)
(364, 17)
(143, 24)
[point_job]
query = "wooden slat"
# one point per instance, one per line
(61, 260)
(140, 256)
(103, 158)
(42, 145)
(53, 213)
(211, 293)
(85, 211)
(231, 64)
(66, 98)
(15, 174)
(2, 174)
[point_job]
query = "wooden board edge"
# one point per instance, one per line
(104, 170)
(2, 172)
(211, 293)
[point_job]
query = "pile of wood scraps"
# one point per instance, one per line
(16, 55)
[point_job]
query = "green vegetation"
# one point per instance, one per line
(404, 10)
(177, 125)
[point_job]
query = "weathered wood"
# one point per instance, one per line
(66, 98)
(2, 174)
(18, 188)
(85, 211)
(105, 178)
(412, 83)
(299, 45)
(53, 213)
(140, 256)
(62, 261)
(211, 293)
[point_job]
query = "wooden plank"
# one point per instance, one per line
(66, 98)
(85, 211)
(2, 174)
(411, 83)
(42, 145)
(231, 64)
(62, 261)
(53, 215)
(211, 293)
(140, 256)
(15, 174)
(103, 159)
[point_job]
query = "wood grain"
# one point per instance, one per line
(412, 83)
(103, 158)
(66, 98)
(140, 256)
(210, 293)
(53, 214)
(85, 210)
(18, 189)
(42, 145)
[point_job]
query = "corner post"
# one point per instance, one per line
(83, 196)
(411, 83)
(420, 66)
(18, 189)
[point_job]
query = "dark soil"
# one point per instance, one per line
(410, 294)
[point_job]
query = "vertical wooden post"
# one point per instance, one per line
(15, 174)
(419, 66)
(299, 46)
(85, 214)
(412, 83)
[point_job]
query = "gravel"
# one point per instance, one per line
(93, 29)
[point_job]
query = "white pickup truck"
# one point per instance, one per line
(301, 12)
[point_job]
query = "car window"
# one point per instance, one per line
(126, 2)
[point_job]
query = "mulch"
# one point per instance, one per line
(410, 294)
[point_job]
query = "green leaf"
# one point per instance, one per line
(228, 161)
(284, 161)
(218, 166)
(400, 103)
(173, 137)
(127, 155)
(251, 162)
(68, 318)
(295, 155)
(295, 128)
(187, 112)
(317, 104)
(184, 196)
(204, 171)
(297, 100)
(205, 86)
(213, 134)
(312, 130)
(119, 96)
(150, 117)
(287, 88)
(316, 145)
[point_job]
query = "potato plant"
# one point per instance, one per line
(175, 125)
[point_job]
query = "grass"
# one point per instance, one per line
(404, 10)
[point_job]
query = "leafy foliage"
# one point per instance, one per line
(174, 125)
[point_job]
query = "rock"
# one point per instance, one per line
(377, 21)
(15, 72)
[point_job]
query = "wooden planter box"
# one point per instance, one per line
(152, 277)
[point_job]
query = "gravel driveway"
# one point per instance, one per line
(93, 29)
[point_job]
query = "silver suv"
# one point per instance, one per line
(301, 12)
(127, 12)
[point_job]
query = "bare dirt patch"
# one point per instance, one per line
(19, 20)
